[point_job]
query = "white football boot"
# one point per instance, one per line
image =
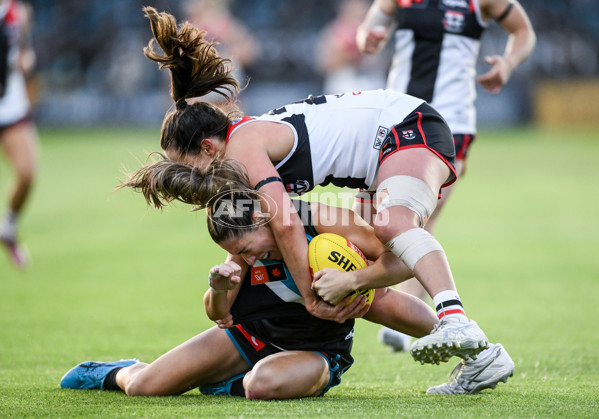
(452, 336)
(471, 377)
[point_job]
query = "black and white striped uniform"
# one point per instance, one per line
(436, 48)
(338, 138)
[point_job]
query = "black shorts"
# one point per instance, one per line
(253, 350)
(462, 145)
(424, 127)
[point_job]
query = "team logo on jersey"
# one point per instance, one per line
(408, 134)
(454, 21)
(299, 187)
(261, 274)
(381, 134)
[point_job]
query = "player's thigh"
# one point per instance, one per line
(419, 162)
(287, 375)
(207, 358)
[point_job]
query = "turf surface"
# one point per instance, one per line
(113, 279)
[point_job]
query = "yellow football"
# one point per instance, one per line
(330, 250)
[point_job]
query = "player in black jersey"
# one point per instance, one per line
(266, 346)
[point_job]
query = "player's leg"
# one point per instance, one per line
(208, 357)
(402, 312)
(424, 173)
(408, 182)
(412, 286)
(20, 144)
(288, 375)
(397, 341)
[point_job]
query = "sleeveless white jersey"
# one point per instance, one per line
(436, 48)
(338, 137)
(14, 104)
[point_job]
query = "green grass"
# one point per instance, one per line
(112, 278)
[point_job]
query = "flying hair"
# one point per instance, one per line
(195, 66)
(164, 181)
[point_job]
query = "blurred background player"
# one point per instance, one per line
(18, 134)
(341, 63)
(436, 50)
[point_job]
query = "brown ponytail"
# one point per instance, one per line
(196, 68)
(165, 180)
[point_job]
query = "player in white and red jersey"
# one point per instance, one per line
(436, 50)
(354, 130)
(18, 135)
(437, 45)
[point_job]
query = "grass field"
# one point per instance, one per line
(113, 279)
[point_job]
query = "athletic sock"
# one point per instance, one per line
(448, 304)
(110, 380)
(237, 387)
(9, 225)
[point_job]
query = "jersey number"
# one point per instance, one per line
(310, 100)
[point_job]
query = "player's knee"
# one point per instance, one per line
(141, 385)
(263, 383)
(413, 196)
(412, 245)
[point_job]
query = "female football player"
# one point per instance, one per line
(266, 346)
(381, 141)
(18, 135)
(447, 36)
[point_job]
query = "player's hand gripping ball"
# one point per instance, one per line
(330, 250)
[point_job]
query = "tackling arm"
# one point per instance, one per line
(386, 270)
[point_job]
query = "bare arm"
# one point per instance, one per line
(27, 56)
(520, 43)
(333, 285)
(225, 280)
(377, 26)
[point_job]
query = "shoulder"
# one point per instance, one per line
(255, 130)
(276, 139)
